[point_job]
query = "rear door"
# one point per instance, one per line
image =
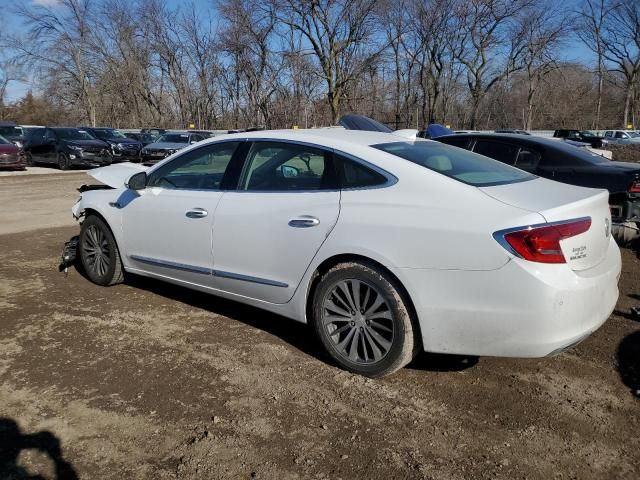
(267, 231)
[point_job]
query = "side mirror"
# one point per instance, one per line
(289, 171)
(137, 181)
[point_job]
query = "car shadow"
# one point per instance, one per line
(297, 334)
(627, 315)
(628, 362)
(440, 362)
(13, 441)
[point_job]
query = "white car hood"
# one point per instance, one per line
(116, 175)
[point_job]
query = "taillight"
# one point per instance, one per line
(541, 243)
(635, 186)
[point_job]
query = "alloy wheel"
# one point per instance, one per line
(96, 251)
(358, 321)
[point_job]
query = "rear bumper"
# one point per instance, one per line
(523, 309)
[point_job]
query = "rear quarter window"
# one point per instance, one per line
(456, 163)
(503, 152)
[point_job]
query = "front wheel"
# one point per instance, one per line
(99, 253)
(63, 161)
(360, 317)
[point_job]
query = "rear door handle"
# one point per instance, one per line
(304, 221)
(196, 213)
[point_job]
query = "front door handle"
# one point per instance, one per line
(196, 213)
(304, 221)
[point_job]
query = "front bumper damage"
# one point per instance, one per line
(69, 254)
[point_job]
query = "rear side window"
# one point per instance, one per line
(503, 152)
(456, 163)
(356, 175)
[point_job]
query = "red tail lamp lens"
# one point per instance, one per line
(635, 187)
(542, 244)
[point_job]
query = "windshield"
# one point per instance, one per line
(456, 163)
(108, 133)
(72, 134)
(10, 131)
(174, 138)
(3, 141)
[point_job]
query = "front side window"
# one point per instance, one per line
(199, 169)
(503, 152)
(456, 163)
(277, 166)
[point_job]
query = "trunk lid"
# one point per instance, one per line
(559, 202)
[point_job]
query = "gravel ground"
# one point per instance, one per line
(146, 380)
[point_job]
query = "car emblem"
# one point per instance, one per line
(607, 230)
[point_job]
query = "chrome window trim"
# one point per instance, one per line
(391, 179)
(500, 234)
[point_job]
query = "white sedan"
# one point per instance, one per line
(386, 246)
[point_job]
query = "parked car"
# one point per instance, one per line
(154, 131)
(513, 130)
(622, 136)
(122, 148)
(168, 144)
(582, 136)
(65, 147)
(12, 132)
(203, 133)
(144, 138)
(10, 156)
(386, 246)
(568, 164)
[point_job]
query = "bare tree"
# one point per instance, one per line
(589, 29)
(544, 26)
(621, 41)
(340, 33)
(490, 48)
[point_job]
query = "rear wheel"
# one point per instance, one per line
(361, 319)
(99, 253)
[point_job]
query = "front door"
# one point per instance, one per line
(266, 232)
(167, 226)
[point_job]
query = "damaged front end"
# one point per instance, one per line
(69, 254)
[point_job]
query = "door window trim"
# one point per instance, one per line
(391, 179)
(223, 181)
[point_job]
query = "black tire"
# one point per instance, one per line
(400, 334)
(94, 231)
(63, 161)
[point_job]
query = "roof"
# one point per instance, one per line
(330, 137)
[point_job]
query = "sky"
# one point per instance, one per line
(10, 22)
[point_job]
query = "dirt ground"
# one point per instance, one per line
(150, 381)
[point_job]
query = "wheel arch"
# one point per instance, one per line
(334, 260)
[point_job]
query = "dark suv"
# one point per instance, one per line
(581, 136)
(65, 147)
(122, 148)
